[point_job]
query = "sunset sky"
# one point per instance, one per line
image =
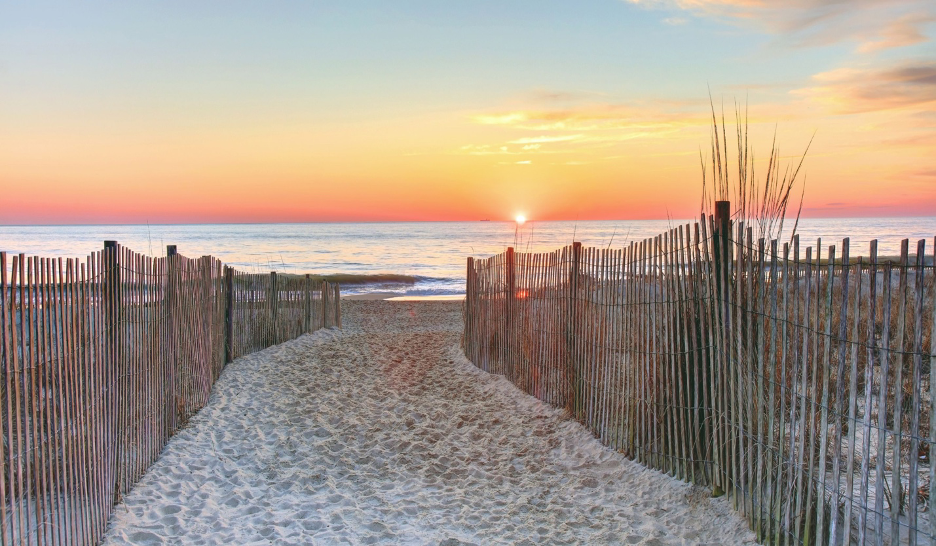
(324, 110)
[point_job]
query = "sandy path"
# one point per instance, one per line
(386, 434)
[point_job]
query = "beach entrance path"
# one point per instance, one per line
(384, 433)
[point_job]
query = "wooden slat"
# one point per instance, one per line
(931, 513)
(774, 384)
(853, 424)
(838, 410)
(760, 384)
(896, 488)
(885, 359)
(915, 390)
(869, 380)
(825, 369)
(7, 326)
(746, 366)
(734, 292)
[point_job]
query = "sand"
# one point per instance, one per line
(385, 433)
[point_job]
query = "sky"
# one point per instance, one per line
(365, 110)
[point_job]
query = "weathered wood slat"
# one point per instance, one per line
(915, 393)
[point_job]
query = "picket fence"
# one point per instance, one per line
(798, 383)
(103, 359)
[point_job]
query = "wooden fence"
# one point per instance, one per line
(796, 382)
(104, 359)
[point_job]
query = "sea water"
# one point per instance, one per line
(424, 258)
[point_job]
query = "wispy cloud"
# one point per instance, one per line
(501, 119)
(871, 23)
(552, 96)
(904, 32)
(594, 117)
(488, 149)
(850, 90)
(542, 139)
(484, 149)
(675, 21)
(598, 126)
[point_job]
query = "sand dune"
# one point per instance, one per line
(385, 433)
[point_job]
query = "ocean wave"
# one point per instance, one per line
(377, 278)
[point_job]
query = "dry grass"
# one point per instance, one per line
(760, 203)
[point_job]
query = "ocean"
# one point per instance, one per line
(407, 258)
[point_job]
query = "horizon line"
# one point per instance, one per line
(506, 221)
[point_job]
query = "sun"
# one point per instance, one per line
(520, 219)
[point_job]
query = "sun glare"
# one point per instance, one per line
(521, 219)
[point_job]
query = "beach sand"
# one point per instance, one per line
(385, 433)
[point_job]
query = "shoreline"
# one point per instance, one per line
(395, 296)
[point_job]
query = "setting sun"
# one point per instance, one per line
(520, 219)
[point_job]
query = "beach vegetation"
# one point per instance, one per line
(762, 203)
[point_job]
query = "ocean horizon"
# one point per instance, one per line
(408, 258)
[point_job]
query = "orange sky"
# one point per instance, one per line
(101, 127)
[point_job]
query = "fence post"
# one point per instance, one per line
(111, 289)
(307, 321)
(468, 335)
(510, 346)
(273, 304)
(338, 305)
(572, 379)
(721, 239)
(325, 288)
(321, 322)
(172, 288)
(723, 249)
(228, 314)
(723, 233)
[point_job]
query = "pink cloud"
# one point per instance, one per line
(849, 90)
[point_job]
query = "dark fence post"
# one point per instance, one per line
(723, 249)
(307, 323)
(572, 376)
(111, 294)
(721, 360)
(172, 329)
(338, 305)
(723, 234)
(511, 345)
(325, 288)
(273, 304)
(468, 335)
(228, 314)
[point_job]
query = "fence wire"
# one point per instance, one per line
(102, 360)
(795, 380)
